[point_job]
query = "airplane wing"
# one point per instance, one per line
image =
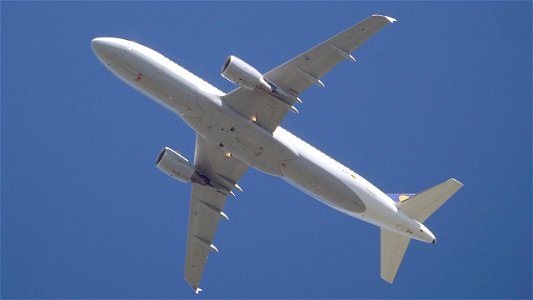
(297, 74)
(206, 205)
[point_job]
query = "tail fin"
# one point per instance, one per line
(418, 207)
(423, 205)
(393, 246)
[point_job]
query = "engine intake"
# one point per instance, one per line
(244, 75)
(176, 166)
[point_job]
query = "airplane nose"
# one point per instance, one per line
(110, 50)
(102, 46)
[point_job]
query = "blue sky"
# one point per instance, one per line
(444, 92)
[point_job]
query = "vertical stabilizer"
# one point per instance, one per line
(393, 246)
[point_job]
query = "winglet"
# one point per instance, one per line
(390, 19)
(197, 290)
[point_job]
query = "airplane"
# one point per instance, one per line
(242, 129)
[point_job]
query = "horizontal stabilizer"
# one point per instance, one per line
(393, 247)
(422, 205)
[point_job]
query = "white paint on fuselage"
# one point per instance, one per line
(279, 153)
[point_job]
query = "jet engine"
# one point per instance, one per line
(176, 166)
(244, 75)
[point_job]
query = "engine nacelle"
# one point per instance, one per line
(176, 166)
(244, 75)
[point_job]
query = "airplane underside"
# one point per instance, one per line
(241, 129)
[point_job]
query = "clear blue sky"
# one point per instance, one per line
(444, 92)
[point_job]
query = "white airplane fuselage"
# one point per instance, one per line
(279, 153)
